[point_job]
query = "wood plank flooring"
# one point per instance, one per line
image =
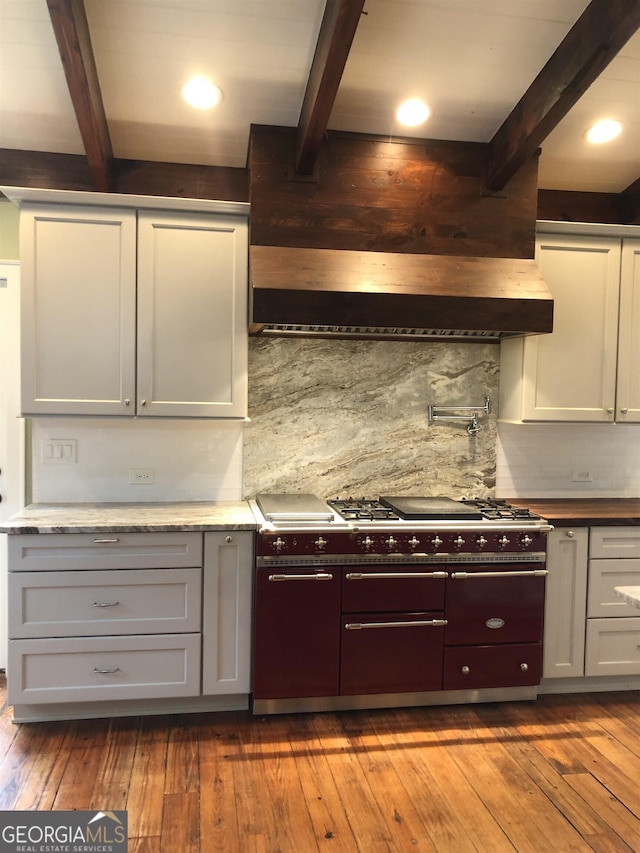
(560, 774)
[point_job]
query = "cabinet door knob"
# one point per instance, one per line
(229, 539)
(570, 534)
(624, 411)
(127, 402)
(610, 410)
(143, 402)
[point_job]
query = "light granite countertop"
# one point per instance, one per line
(630, 594)
(131, 517)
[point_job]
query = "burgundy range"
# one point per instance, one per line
(395, 601)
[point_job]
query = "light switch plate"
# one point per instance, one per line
(59, 451)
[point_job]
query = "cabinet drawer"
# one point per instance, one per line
(604, 576)
(613, 647)
(475, 667)
(76, 604)
(103, 668)
(614, 542)
(41, 552)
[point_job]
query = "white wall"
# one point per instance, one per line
(192, 460)
(538, 460)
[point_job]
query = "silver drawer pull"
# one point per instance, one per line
(322, 576)
(537, 573)
(358, 626)
(106, 541)
(106, 671)
(359, 576)
(105, 603)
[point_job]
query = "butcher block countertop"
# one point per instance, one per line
(585, 512)
(131, 517)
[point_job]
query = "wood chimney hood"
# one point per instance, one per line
(394, 295)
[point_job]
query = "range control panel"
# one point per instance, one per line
(286, 543)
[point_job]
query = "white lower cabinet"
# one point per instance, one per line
(133, 616)
(613, 627)
(103, 668)
(226, 628)
(566, 593)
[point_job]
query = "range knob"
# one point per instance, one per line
(320, 543)
(503, 541)
(391, 543)
(413, 542)
(278, 544)
(436, 541)
(526, 540)
(458, 541)
(368, 543)
(481, 541)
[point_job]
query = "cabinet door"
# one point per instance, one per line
(78, 309)
(570, 374)
(192, 315)
(613, 646)
(226, 617)
(628, 391)
(297, 633)
(565, 602)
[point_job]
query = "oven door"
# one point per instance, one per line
(494, 604)
(493, 636)
(391, 653)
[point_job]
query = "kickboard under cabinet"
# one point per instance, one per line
(104, 668)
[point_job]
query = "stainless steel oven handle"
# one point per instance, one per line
(358, 576)
(538, 573)
(418, 623)
(321, 576)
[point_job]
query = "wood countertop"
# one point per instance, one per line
(584, 512)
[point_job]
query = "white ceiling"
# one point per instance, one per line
(471, 60)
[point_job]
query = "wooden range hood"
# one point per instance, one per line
(393, 295)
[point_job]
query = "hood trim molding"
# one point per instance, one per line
(396, 295)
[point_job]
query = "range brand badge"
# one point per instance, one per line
(63, 832)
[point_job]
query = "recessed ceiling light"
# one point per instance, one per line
(604, 131)
(201, 93)
(413, 112)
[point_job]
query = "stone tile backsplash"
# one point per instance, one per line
(349, 417)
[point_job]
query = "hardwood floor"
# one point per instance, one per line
(560, 774)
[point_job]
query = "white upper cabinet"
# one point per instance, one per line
(586, 369)
(192, 315)
(628, 389)
(134, 311)
(78, 310)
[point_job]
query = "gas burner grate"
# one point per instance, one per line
(494, 509)
(363, 509)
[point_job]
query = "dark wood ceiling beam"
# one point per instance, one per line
(630, 201)
(595, 39)
(44, 170)
(337, 31)
(74, 43)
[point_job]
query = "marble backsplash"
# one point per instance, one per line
(347, 417)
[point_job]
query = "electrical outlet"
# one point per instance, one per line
(142, 476)
(582, 475)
